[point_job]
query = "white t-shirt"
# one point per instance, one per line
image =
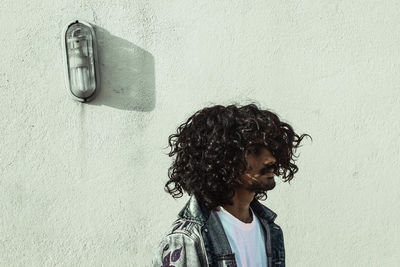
(246, 239)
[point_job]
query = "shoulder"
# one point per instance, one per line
(275, 226)
(181, 232)
(180, 245)
(185, 227)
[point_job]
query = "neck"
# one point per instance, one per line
(241, 205)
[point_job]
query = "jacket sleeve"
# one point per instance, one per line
(178, 250)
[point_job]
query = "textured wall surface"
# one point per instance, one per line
(82, 184)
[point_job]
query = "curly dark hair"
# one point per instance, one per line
(210, 148)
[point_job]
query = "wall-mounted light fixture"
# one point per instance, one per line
(80, 60)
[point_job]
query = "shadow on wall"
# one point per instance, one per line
(127, 74)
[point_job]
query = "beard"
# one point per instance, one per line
(256, 184)
(261, 185)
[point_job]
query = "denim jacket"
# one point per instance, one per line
(197, 239)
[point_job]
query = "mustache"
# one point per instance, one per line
(254, 179)
(267, 169)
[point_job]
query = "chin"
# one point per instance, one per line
(262, 188)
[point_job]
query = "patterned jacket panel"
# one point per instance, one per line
(182, 246)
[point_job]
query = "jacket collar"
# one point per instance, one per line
(193, 210)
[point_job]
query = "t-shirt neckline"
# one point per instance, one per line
(235, 221)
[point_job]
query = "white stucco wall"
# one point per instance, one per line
(82, 184)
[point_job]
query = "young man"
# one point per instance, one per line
(226, 159)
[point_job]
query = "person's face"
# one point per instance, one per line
(259, 174)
